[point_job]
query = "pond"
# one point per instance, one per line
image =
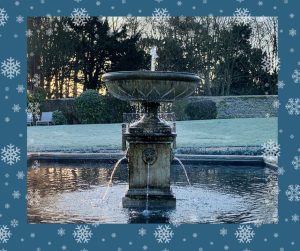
(72, 192)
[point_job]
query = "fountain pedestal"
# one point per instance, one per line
(159, 193)
(150, 143)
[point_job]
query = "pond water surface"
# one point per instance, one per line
(72, 193)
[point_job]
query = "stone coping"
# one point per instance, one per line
(151, 75)
(242, 160)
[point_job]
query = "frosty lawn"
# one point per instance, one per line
(196, 133)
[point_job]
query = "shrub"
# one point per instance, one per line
(114, 109)
(89, 107)
(204, 109)
(59, 118)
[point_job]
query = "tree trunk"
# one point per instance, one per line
(56, 86)
(207, 83)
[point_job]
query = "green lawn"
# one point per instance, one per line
(218, 132)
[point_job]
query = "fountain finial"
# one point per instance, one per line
(154, 56)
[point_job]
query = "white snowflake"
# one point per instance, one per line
(163, 234)
(270, 65)
(10, 68)
(20, 89)
(35, 166)
(20, 175)
(16, 194)
(223, 231)
(296, 162)
(280, 171)
(34, 108)
(79, 16)
(49, 32)
(82, 234)
(293, 106)
(271, 150)
(95, 224)
(33, 197)
(293, 192)
(5, 234)
(243, 15)
(258, 223)
(10, 154)
(61, 231)
(16, 108)
(183, 19)
(244, 234)
(295, 218)
(142, 231)
(276, 104)
(296, 76)
(280, 84)
(14, 223)
(161, 14)
(176, 224)
(191, 33)
(28, 33)
(3, 17)
(36, 80)
(242, 12)
(19, 19)
(292, 32)
(67, 28)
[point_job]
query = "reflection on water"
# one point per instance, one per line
(72, 193)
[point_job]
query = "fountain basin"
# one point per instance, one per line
(151, 86)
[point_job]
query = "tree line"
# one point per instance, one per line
(232, 56)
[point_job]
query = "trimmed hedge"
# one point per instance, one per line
(191, 108)
(66, 106)
(179, 107)
(204, 109)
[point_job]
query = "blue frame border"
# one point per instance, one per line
(14, 230)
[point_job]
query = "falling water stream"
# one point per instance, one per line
(109, 184)
(146, 211)
(183, 167)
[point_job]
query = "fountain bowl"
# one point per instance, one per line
(151, 86)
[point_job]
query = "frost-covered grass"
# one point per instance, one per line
(196, 133)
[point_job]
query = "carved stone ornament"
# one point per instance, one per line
(149, 156)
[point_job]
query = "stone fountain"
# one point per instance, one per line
(150, 139)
